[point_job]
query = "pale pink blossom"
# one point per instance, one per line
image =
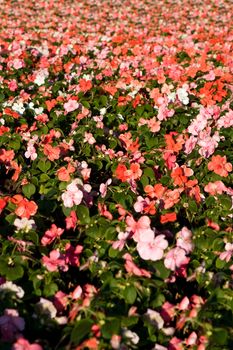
(184, 240)
(133, 269)
(73, 195)
(225, 121)
(18, 63)
(192, 339)
(71, 105)
(104, 187)
(175, 258)
(141, 229)
(122, 237)
(228, 252)
(154, 249)
(89, 138)
(214, 188)
(184, 304)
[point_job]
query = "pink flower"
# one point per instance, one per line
(184, 240)
(192, 339)
(152, 250)
(23, 344)
(216, 187)
(54, 261)
(11, 324)
(134, 269)
(72, 254)
(71, 105)
(122, 237)
(228, 252)
(88, 137)
(71, 220)
(184, 304)
(175, 258)
(18, 63)
(104, 187)
(141, 229)
(73, 195)
(76, 294)
(51, 234)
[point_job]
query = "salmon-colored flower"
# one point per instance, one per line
(26, 208)
(52, 152)
(168, 217)
(219, 165)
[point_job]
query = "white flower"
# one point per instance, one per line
(132, 336)
(183, 96)
(155, 318)
(24, 224)
(9, 286)
(40, 79)
(103, 111)
(47, 308)
(18, 107)
(39, 110)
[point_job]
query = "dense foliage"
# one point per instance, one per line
(115, 175)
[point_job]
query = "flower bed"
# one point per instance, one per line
(115, 175)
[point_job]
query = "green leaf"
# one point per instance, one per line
(44, 178)
(219, 336)
(112, 253)
(83, 214)
(111, 326)
(50, 289)
(44, 165)
(149, 172)
(220, 263)
(80, 331)
(130, 294)
(28, 190)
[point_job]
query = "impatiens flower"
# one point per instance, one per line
(214, 188)
(141, 229)
(26, 208)
(46, 307)
(175, 258)
(11, 287)
(184, 240)
(73, 195)
(132, 268)
(89, 138)
(154, 318)
(131, 336)
(71, 106)
(51, 152)
(228, 252)
(104, 187)
(24, 224)
(154, 249)
(219, 165)
(71, 220)
(168, 217)
(51, 234)
(192, 339)
(23, 344)
(55, 261)
(63, 173)
(183, 96)
(11, 324)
